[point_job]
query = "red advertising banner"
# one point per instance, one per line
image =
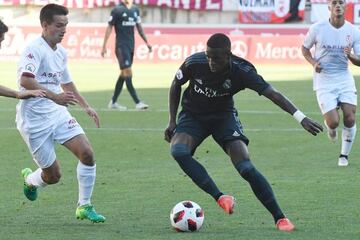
(84, 43)
(177, 4)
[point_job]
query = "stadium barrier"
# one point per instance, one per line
(85, 42)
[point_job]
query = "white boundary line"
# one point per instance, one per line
(166, 110)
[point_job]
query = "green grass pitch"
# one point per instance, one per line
(138, 182)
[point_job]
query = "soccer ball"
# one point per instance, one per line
(187, 216)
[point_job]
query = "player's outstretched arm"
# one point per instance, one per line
(283, 102)
(7, 92)
(174, 100)
(70, 87)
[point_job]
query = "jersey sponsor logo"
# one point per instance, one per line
(227, 84)
(52, 75)
(199, 81)
(30, 67)
(209, 92)
(128, 23)
(179, 74)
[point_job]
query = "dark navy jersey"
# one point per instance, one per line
(124, 21)
(210, 92)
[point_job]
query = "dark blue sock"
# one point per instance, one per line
(118, 88)
(194, 170)
(131, 89)
(260, 187)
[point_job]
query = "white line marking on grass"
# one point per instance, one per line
(166, 110)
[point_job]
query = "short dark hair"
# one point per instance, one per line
(219, 40)
(3, 28)
(48, 11)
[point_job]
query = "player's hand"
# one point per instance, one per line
(317, 67)
(149, 47)
(311, 126)
(31, 93)
(92, 113)
(169, 132)
(65, 99)
(347, 51)
(103, 52)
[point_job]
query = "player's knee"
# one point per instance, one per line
(349, 120)
(245, 168)
(179, 150)
(87, 156)
(52, 178)
(333, 124)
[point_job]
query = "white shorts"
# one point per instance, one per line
(329, 99)
(42, 144)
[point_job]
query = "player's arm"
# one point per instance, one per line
(65, 98)
(7, 92)
(308, 56)
(106, 38)
(284, 103)
(352, 57)
(143, 36)
(70, 87)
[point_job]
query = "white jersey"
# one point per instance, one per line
(329, 52)
(49, 69)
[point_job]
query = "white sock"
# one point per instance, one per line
(86, 178)
(35, 179)
(348, 137)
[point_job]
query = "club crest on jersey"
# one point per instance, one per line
(179, 74)
(30, 67)
(227, 84)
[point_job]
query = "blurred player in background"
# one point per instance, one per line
(44, 121)
(124, 17)
(6, 92)
(207, 103)
(334, 84)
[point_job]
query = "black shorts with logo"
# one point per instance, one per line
(223, 126)
(124, 56)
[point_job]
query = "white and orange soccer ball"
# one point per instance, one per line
(187, 216)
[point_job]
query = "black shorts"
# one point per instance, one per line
(224, 127)
(124, 56)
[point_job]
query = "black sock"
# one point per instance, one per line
(131, 89)
(260, 187)
(342, 155)
(194, 170)
(118, 88)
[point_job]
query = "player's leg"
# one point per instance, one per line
(229, 134)
(48, 171)
(119, 83)
(328, 103)
(348, 132)
(189, 134)
(86, 174)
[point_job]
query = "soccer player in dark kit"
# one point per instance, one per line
(124, 17)
(208, 109)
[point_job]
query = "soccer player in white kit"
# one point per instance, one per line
(7, 92)
(334, 84)
(44, 121)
